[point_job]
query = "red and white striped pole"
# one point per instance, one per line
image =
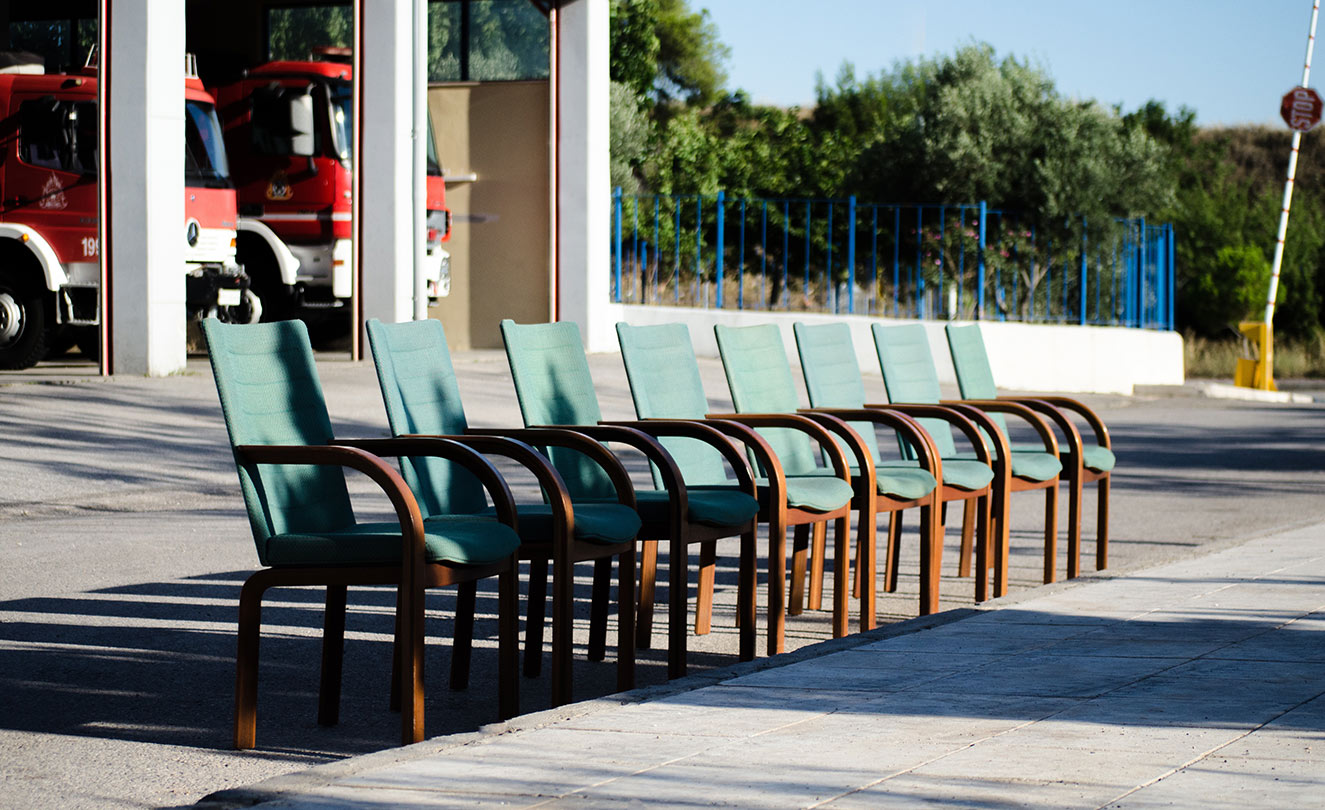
(1288, 184)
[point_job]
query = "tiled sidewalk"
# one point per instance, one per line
(1197, 684)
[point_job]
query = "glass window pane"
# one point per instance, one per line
(293, 33)
(508, 39)
(444, 42)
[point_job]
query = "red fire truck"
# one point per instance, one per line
(49, 255)
(288, 131)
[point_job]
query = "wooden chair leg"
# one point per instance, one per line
(867, 564)
(777, 584)
(508, 641)
(708, 564)
(1102, 525)
(969, 509)
(563, 627)
(818, 550)
(745, 595)
(625, 616)
(678, 587)
(535, 611)
(246, 664)
(985, 529)
(931, 558)
(397, 644)
(409, 604)
(1050, 533)
(1001, 510)
(1074, 485)
(841, 561)
(601, 602)
(648, 578)
(462, 642)
(800, 546)
(894, 562)
(333, 656)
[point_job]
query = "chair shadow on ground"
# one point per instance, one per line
(154, 662)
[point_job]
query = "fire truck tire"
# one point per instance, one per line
(22, 323)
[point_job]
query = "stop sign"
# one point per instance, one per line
(1301, 108)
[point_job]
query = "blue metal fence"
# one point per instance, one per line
(905, 260)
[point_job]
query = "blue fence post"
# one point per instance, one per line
(786, 252)
(1082, 315)
(980, 267)
(1173, 276)
(699, 243)
(717, 261)
(897, 253)
(657, 249)
(740, 271)
(874, 262)
(851, 254)
(616, 241)
(763, 255)
(943, 224)
(918, 272)
(829, 287)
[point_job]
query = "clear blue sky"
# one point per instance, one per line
(1230, 60)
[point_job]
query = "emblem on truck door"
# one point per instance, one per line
(192, 230)
(279, 187)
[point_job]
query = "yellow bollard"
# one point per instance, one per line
(1258, 370)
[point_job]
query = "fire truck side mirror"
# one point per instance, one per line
(301, 125)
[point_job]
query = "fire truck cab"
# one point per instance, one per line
(49, 253)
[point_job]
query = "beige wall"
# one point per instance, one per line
(500, 247)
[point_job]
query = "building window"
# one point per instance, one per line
(486, 40)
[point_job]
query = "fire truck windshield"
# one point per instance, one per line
(342, 119)
(204, 151)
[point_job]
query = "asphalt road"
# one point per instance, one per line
(123, 545)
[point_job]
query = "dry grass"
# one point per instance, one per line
(1216, 358)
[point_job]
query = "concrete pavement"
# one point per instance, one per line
(1196, 684)
(124, 544)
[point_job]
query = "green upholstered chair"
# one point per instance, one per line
(555, 389)
(422, 398)
(291, 476)
(664, 383)
(910, 378)
(833, 382)
(1083, 461)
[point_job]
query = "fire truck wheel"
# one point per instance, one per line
(22, 324)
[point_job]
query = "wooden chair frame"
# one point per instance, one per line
(411, 577)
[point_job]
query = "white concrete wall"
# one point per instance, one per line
(1025, 357)
(145, 239)
(584, 192)
(384, 161)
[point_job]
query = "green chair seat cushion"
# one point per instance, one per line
(605, 523)
(967, 473)
(820, 493)
(719, 506)
(903, 479)
(1100, 459)
(461, 539)
(1035, 465)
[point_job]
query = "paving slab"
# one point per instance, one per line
(1008, 706)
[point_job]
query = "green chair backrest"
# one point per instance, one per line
(969, 360)
(270, 394)
(421, 396)
(832, 375)
(909, 376)
(664, 383)
(554, 387)
(759, 377)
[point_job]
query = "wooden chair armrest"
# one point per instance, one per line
(544, 437)
(793, 421)
(911, 430)
(699, 431)
(377, 470)
(677, 503)
(448, 449)
(1017, 409)
(964, 420)
(1078, 407)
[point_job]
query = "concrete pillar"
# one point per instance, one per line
(384, 160)
(583, 184)
(144, 243)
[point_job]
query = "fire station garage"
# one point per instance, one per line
(392, 159)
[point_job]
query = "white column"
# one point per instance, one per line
(145, 241)
(583, 195)
(385, 160)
